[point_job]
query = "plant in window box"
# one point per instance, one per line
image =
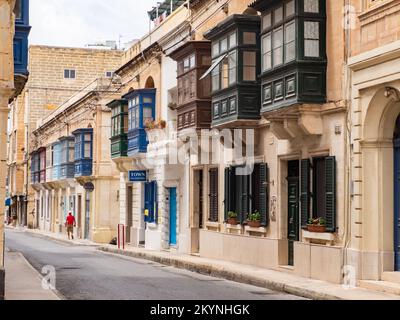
(151, 125)
(317, 225)
(254, 220)
(232, 218)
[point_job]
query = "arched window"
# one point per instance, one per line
(149, 83)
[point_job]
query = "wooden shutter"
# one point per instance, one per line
(263, 193)
(305, 192)
(243, 196)
(230, 189)
(330, 193)
(213, 196)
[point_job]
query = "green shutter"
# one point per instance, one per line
(305, 192)
(214, 195)
(230, 189)
(243, 185)
(227, 191)
(330, 193)
(264, 199)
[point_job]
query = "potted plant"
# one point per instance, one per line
(232, 218)
(317, 225)
(254, 220)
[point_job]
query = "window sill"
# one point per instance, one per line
(257, 232)
(213, 226)
(234, 229)
(312, 237)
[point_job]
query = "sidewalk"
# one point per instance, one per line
(274, 280)
(23, 282)
(56, 237)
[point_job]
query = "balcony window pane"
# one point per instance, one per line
(192, 61)
(136, 118)
(232, 40)
(215, 49)
(278, 47)
(87, 150)
(267, 21)
(311, 39)
(186, 65)
(290, 9)
(311, 6)
(278, 15)
(147, 100)
(249, 66)
(290, 44)
(267, 52)
(224, 45)
(232, 68)
(215, 79)
(225, 73)
(147, 115)
(125, 124)
(249, 38)
(18, 10)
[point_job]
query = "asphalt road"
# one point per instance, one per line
(83, 273)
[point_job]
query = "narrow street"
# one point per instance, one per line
(83, 273)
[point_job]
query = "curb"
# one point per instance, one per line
(218, 272)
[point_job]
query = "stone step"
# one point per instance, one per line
(391, 277)
(382, 286)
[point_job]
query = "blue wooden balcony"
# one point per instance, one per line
(83, 166)
(141, 111)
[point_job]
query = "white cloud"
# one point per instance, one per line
(75, 23)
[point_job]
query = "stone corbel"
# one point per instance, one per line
(293, 129)
(310, 122)
(279, 130)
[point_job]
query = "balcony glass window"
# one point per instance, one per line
(277, 44)
(290, 42)
(311, 6)
(249, 38)
(311, 39)
(249, 66)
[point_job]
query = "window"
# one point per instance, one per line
(232, 68)
(290, 44)
(69, 74)
(232, 40)
(249, 66)
(246, 194)
(71, 152)
(318, 191)
(109, 74)
(311, 6)
(277, 44)
(249, 38)
(215, 74)
(311, 39)
(88, 145)
(147, 114)
(267, 21)
(213, 197)
(267, 52)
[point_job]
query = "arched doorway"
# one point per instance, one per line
(396, 152)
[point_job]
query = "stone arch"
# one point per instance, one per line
(149, 83)
(377, 180)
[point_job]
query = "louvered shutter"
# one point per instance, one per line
(330, 193)
(155, 204)
(263, 192)
(227, 191)
(305, 192)
(213, 195)
(242, 186)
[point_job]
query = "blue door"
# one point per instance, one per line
(172, 216)
(397, 203)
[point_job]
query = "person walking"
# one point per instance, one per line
(70, 224)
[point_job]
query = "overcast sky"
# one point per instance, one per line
(75, 23)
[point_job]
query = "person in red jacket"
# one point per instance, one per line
(70, 224)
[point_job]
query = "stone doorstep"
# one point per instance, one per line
(264, 278)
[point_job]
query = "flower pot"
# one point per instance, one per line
(316, 228)
(254, 224)
(233, 221)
